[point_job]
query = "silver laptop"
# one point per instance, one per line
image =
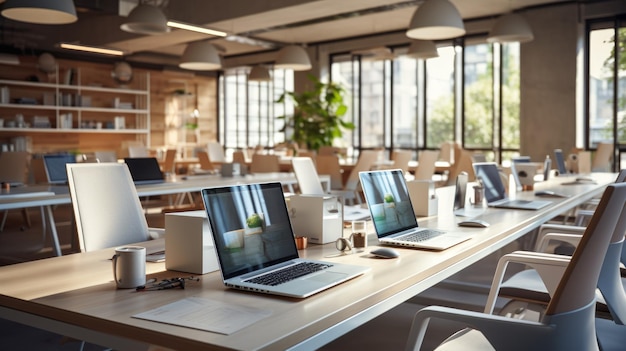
(54, 164)
(495, 192)
(144, 170)
(255, 244)
(391, 210)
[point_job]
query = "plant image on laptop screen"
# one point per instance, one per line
(389, 201)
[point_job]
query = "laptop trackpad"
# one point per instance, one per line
(325, 277)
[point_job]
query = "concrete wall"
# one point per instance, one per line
(548, 82)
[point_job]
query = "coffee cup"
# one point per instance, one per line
(129, 267)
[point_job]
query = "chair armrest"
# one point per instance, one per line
(542, 244)
(503, 333)
(549, 266)
(582, 216)
(556, 228)
(156, 233)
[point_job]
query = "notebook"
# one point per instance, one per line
(255, 244)
(495, 194)
(392, 213)
(144, 170)
(54, 164)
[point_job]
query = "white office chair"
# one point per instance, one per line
(106, 206)
(569, 322)
(308, 180)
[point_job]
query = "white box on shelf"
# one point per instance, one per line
(120, 122)
(188, 243)
(423, 197)
(318, 217)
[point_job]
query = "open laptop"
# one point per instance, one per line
(391, 210)
(54, 164)
(255, 243)
(144, 170)
(495, 193)
(559, 158)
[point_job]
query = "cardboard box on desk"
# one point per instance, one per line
(189, 244)
(318, 217)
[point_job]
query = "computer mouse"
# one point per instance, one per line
(476, 223)
(385, 252)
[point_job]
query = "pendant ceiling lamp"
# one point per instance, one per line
(40, 11)
(422, 49)
(509, 28)
(436, 20)
(293, 57)
(146, 19)
(259, 74)
(200, 56)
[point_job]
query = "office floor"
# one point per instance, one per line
(468, 289)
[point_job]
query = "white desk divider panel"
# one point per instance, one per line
(188, 243)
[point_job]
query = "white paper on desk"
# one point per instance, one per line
(355, 213)
(205, 314)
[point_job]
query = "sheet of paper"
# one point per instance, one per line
(206, 314)
(355, 213)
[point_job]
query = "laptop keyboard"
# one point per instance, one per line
(288, 273)
(421, 235)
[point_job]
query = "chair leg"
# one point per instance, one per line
(4, 220)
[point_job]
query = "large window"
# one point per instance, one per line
(470, 93)
(247, 114)
(606, 85)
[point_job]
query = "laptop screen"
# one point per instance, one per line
(250, 226)
(560, 161)
(489, 175)
(55, 167)
(144, 169)
(460, 190)
(388, 198)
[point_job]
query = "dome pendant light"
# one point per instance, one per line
(259, 74)
(293, 57)
(201, 56)
(436, 20)
(146, 19)
(40, 11)
(422, 49)
(510, 28)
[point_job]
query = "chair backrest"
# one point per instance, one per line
(602, 158)
(426, 165)
(240, 157)
(366, 161)
(138, 151)
(106, 156)
(205, 161)
(106, 206)
(329, 165)
(265, 163)
(216, 152)
(328, 150)
(401, 159)
(14, 166)
(308, 180)
(168, 162)
(463, 164)
(577, 287)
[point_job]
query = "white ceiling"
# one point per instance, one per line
(274, 22)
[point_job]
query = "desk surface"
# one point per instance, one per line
(74, 292)
(56, 194)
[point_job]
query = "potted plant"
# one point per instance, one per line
(317, 118)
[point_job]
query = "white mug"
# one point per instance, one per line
(130, 271)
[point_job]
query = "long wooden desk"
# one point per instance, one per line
(59, 195)
(74, 295)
